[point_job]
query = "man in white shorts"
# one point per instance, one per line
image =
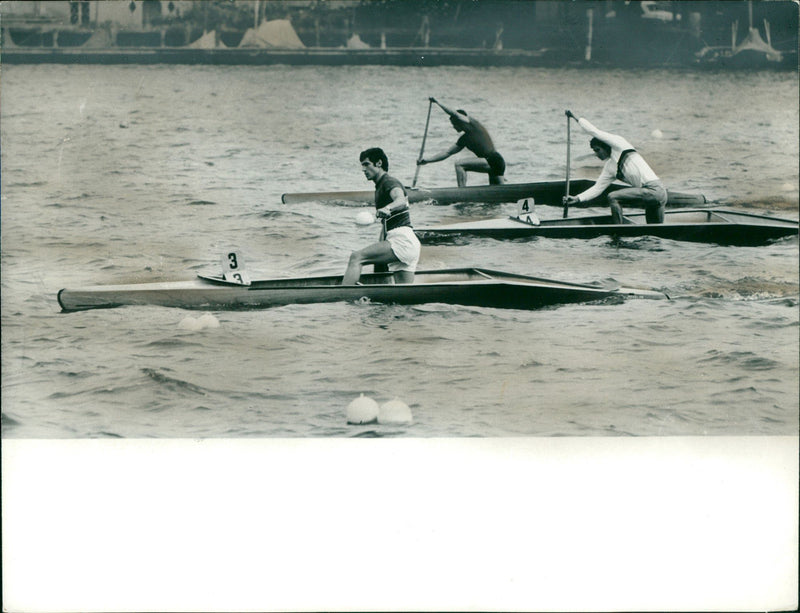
(398, 246)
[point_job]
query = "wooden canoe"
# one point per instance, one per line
(463, 286)
(698, 225)
(544, 192)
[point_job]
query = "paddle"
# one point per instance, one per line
(566, 188)
(424, 136)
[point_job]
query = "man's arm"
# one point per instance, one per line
(614, 141)
(603, 181)
(441, 156)
(449, 111)
(398, 203)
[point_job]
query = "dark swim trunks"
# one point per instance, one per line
(496, 163)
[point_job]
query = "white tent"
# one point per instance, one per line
(754, 42)
(277, 33)
(355, 42)
(100, 39)
(8, 43)
(207, 41)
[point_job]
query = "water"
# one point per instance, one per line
(139, 173)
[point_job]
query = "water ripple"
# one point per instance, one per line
(173, 383)
(113, 203)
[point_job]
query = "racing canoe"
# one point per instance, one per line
(463, 286)
(543, 192)
(698, 225)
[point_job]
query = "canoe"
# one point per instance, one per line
(544, 192)
(463, 286)
(698, 225)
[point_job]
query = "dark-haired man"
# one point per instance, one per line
(475, 138)
(398, 246)
(622, 162)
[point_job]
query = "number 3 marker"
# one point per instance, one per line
(233, 268)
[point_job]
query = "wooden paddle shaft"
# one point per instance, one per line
(566, 187)
(422, 148)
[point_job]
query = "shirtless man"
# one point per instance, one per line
(398, 246)
(475, 138)
(622, 162)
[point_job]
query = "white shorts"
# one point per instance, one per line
(405, 246)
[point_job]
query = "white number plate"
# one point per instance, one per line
(233, 268)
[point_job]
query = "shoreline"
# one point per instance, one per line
(411, 56)
(253, 56)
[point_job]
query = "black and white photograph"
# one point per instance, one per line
(400, 305)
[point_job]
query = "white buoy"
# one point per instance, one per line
(193, 324)
(190, 323)
(365, 218)
(657, 133)
(362, 410)
(395, 412)
(207, 320)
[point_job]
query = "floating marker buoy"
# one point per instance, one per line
(189, 323)
(395, 412)
(207, 320)
(194, 324)
(657, 133)
(362, 410)
(365, 218)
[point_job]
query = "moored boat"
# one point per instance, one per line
(543, 192)
(718, 226)
(462, 286)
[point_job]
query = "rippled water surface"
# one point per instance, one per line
(138, 173)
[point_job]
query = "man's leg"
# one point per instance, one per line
(654, 212)
(404, 276)
(472, 165)
(376, 253)
(616, 206)
(630, 196)
(656, 197)
(653, 201)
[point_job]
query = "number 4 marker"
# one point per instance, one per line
(525, 211)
